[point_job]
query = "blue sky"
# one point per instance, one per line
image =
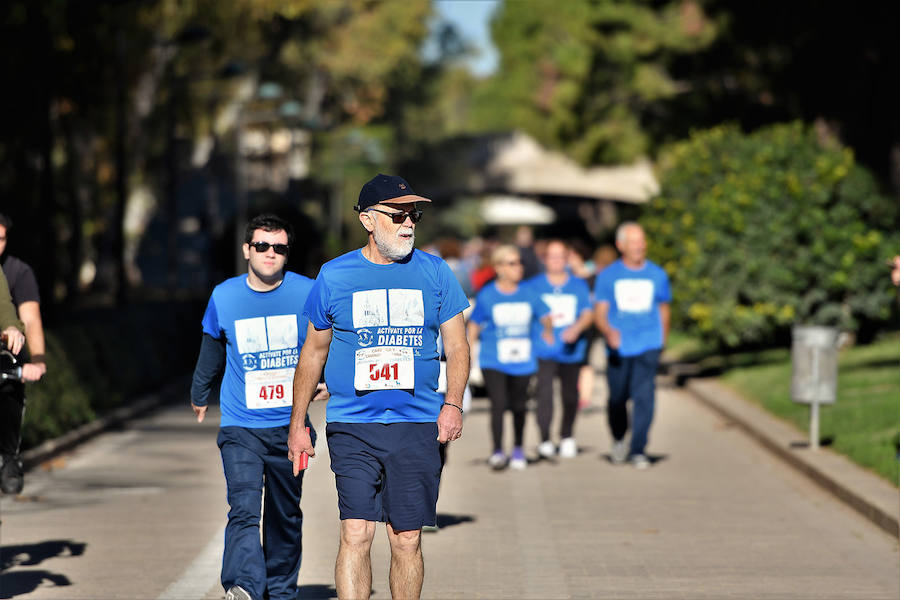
(470, 17)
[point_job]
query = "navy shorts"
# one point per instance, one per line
(386, 473)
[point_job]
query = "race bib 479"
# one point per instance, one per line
(270, 388)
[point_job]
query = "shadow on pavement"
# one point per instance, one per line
(653, 458)
(827, 440)
(24, 582)
(11, 556)
(316, 591)
(20, 582)
(445, 520)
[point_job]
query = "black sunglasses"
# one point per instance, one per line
(264, 247)
(399, 217)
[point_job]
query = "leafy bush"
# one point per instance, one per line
(760, 231)
(100, 360)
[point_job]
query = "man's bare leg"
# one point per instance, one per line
(353, 569)
(407, 564)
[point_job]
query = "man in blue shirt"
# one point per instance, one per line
(632, 298)
(374, 317)
(254, 326)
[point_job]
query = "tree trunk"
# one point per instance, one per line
(118, 221)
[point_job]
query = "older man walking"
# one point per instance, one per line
(632, 298)
(374, 316)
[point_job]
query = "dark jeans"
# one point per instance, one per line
(256, 459)
(568, 381)
(506, 391)
(632, 377)
(12, 411)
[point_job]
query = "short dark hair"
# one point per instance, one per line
(5, 222)
(268, 222)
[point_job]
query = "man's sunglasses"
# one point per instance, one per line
(400, 217)
(264, 247)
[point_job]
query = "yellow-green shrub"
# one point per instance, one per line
(760, 231)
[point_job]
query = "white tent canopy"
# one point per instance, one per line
(515, 210)
(527, 168)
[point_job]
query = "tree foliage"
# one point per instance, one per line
(110, 100)
(764, 230)
(605, 80)
(806, 60)
(585, 77)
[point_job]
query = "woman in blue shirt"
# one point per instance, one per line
(569, 300)
(507, 316)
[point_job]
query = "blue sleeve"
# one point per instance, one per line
(209, 365)
(302, 319)
(453, 299)
(316, 308)
(541, 309)
(603, 289)
(663, 292)
(211, 319)
(479, 313)
(302, 326)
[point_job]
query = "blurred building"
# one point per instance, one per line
(519, 182)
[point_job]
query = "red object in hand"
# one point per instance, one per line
(304, 457)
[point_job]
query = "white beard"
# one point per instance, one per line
(391, 246)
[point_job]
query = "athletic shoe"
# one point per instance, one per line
(639, 461)
(430, 528)
(619, 452)
(12, 476)
(547, 449)
(568, 448)
(497, 460)
(518, 461)
(236, 592)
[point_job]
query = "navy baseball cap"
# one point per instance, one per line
(386, 188)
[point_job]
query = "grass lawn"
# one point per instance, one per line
(864, 423)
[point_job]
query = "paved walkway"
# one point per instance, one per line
(138, 513)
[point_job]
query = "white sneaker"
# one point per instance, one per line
(568, 448)
(518, 461)
(547, 449)
(619, 452)
(236, 592)
(497, 460)
(639, 461)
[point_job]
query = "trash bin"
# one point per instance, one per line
(814, 354)
(814, 360)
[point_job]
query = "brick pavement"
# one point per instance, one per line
(716, 517)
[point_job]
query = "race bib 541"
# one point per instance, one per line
(384, 368)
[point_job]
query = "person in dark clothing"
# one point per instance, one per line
(25, 297)
(531, 263)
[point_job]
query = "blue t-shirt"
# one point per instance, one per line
(509, 323)
(263, 333)
(382, 364)
(567, 303)
(634, 297)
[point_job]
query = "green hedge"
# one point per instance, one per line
(763, 230)
(99, 360)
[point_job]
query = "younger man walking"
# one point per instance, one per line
(254, 327)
